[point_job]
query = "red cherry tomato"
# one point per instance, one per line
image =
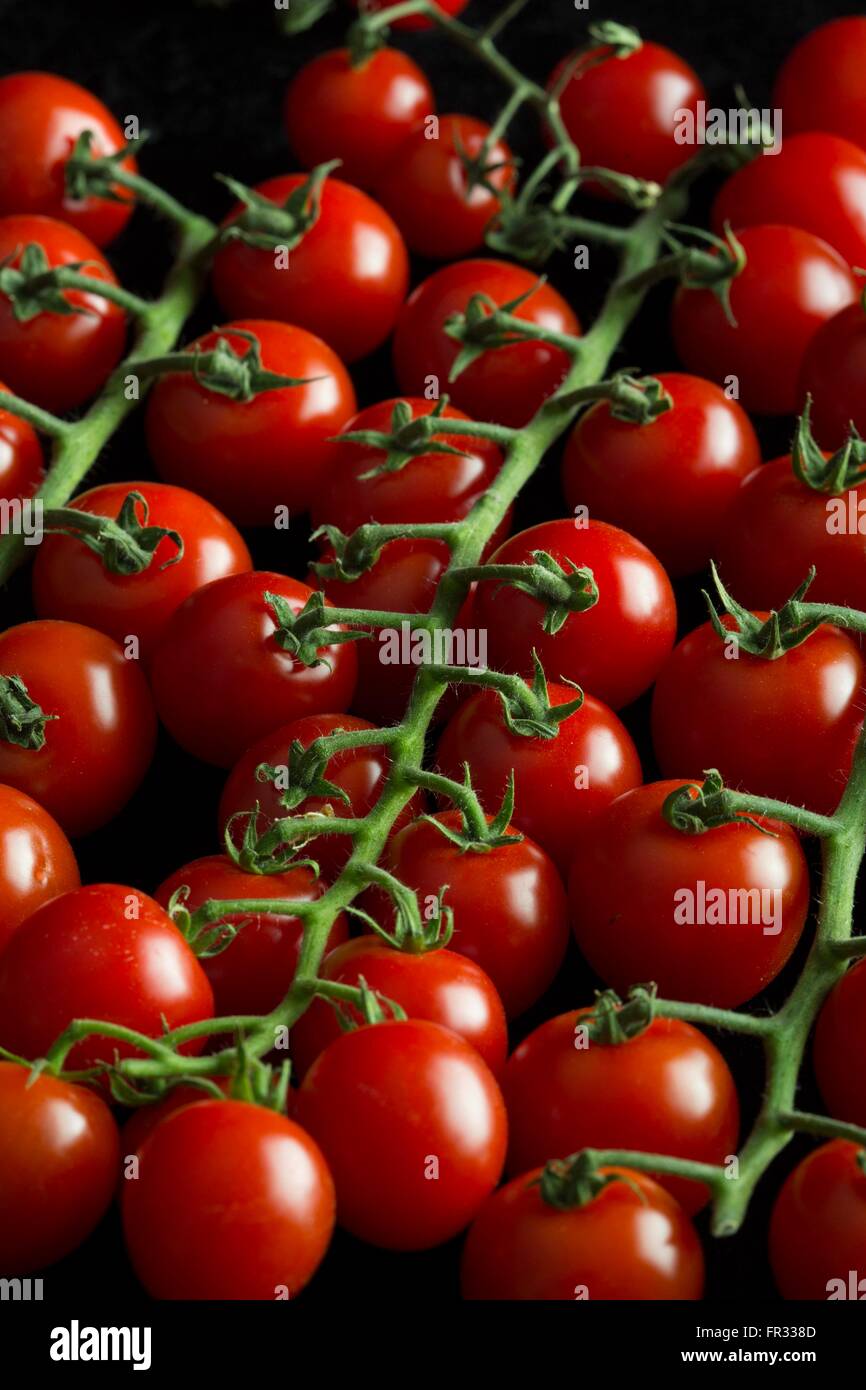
(100, 740)
(41, 117)
(59, 1154)
(102, 952)
(623, 113)
(820, 86)
(792, 282)
(507, 384)
(412, 21)
(145, 1119)
(59, 361)
(71, 582)
(412, 1125)
(251, 457)
(345, 280)
(651, 903)
(614, 649)
(838, 1036)
(667, 1090)
(220, 679)
(561, 784)
(36, 860)
(672, 482)
(360, 114)
(784, 729)
(818, 1226)
(21, 462)
(231, 1201)
(252, 974)
(834, 375)
(632, 1241)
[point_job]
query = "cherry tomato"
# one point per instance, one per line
(671, 482)
(784, 729)
(820, 86)
(412, 1125)
(667, 1090)
(834, 375)
(104, 951)
(359, 114)
(839, 1034)
(56, 360)
(623, 113)
(220, 679)
(231, 1201)
(507, 384)
(41, 117)
(792, 282)
(412, 21)
(616, 648)
(251, 457)
(561, 784)
(36, 860)
(146, 1117)
(632, 1241)
(21, 462)
(59, 1153)
(651, 903)
(101, 730)
(71, 582)
(344, 281)
(818, 1226)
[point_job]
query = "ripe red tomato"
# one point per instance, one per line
(838, 1036)
(412, 21)
(100, 741)
(412, 1125)
(791, 283)
(59, 1154)
(231, 1201)
(71, 582)
(251, 457)
(818, 1226)
(820, 85)
(21, 462)
(784, 729)
(834, 375)
(253, 974)
(671, 482)
(632, 1241)
(507, 384)
(59, 361)
(426, 186)
(37, 861)
(357, 114)
(561, 784)
(636, 882)
(221, 681)
(623, 113)
(614, 649)
(41, 117)
(103, 952)
(667, 1090)
(345, 280)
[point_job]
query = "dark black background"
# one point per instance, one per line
(207, 81)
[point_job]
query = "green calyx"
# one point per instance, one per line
(562, 591)
(571, 1183)
(478, 835)
(204, 937)
(408, 438)
(89, 175)
(412, 931)
(843, 470)
(693, 809)
(484, 324)
(354, 555)
(714, 269)
(304, 634)
(22, 721)
(264, 224)
(612, 1022)
(303, 775)
(771, 637)
(620, 38)
(527, 709)
(357, 1006)
(238, 375)
(33, 287)
(125, 544)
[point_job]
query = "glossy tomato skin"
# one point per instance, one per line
(839, 1035)
(820, 86)
(668, 1090)
(103, 951)
(71, 582)
(41, 117)
(37, 861)
(633, 1241)
(792, 282)
(59, 361)
(818, 1226)
(251, 457)
(784, 729)
(412, 21)
(629, 875)
(561, 784)
(21, 462)
(614, 649)
(360, 115)
(100, 742)
(219, 678)
(345, 280)
(252, 974)
(672, 482)
(507, 384)
(834, 375)
(384, 1103)
(231, 1201)
(59, 1154)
